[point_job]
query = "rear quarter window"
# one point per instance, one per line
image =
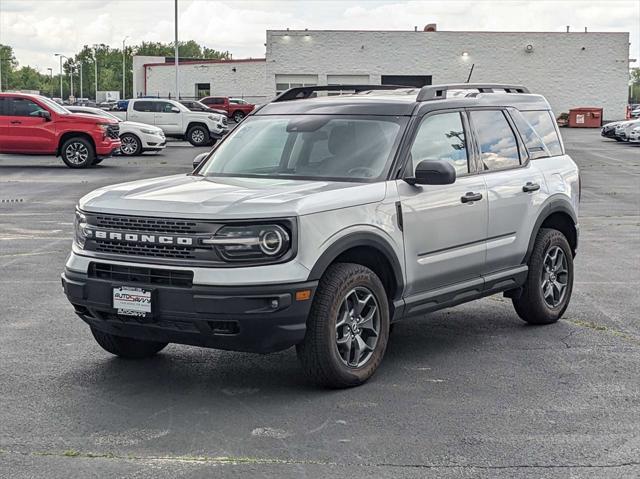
(544, 126)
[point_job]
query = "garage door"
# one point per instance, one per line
(284, 82)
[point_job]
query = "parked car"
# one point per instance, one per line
(319, 230)
(195, 105)
(108, 105)
(234, 107)
(177, 121)
(609, 130)
(36, 125)
(122, 105)
(634, 135)
(623, 129)
(635, 113)
(136, 138)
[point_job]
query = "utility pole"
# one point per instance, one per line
(81, 95)
(95, 63)
(176, 54)
(71, 65)
(1, 59)
(50, 70)
(124, 76)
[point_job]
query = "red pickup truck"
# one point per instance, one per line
(33, 124)
(235, 107)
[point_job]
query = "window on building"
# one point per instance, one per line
(544, 125)
(498, 144)
(284, 82)
(203, 89)
(441, 138)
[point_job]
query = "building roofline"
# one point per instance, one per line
(204, 61)
(576, 32)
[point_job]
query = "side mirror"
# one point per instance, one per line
(433, 173)
(198, 159)
(44, 114)
(175, 109)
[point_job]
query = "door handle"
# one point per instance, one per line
(470, 196)
(16, 122)
(529, 187)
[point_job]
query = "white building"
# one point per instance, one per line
(570, 69)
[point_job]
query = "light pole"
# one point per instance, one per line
(71, 66)
(50, 70)
(61, 57)
(124, 97)
(95, 60)
(81, 95)
(175, 54)
(1, 60)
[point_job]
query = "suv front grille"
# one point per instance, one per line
(151, 276)
(149, 250)
(156, 225)
(113, 131)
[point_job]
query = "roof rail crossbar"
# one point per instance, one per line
(438, 92)
(300, 93)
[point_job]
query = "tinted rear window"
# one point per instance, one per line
(146, 106)
(544, 125)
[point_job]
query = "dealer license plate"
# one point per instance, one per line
(132, 301)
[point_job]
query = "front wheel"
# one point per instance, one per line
(547, 290)
(198, 136)
(131, 145)
(78, 153)
(128, 348)
(347, 327)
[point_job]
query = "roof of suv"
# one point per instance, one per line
(401, 101)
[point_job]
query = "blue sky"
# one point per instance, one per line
(39, 28)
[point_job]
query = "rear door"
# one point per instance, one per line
(27, 131)
(4, 123)
(515, 188)
(142, 111)
(167, 119)
(444, 232)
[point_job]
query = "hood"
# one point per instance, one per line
(185, 196)
(203, 113)
(84, 118)
(137, 124)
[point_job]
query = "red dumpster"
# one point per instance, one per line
(585, 117)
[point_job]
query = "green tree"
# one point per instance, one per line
(634, 90)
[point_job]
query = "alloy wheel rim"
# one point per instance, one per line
(357, 327)
(555, 277)
(197, 136)
(129, 145)
(76, 153)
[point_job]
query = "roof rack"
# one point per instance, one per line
(439, 92)
(300, 93)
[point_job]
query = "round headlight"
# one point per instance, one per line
(272, 240)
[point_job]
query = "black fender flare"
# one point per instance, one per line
(353, 240)
(554, 204)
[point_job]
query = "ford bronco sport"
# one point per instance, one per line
(319, 222)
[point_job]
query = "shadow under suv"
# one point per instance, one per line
(319, 222)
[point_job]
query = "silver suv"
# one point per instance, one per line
(322, 220)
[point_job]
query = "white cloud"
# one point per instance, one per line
(37, 28)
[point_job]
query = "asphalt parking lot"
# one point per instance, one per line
(466, 392)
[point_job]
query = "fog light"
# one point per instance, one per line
(275, 303)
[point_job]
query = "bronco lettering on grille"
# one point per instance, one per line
(138, 238)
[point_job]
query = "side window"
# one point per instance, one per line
(498, 144)
(534, 144)
(163, 107)
(4, 107)
(215, 101)
(544, 124)
(23, 107)
(144, 106)
(441, 137)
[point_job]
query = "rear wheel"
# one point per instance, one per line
(78, 153)
(347, 328)
(131, 145)
(547, 290)
(128, 348)
(238, 116)
(198, 135)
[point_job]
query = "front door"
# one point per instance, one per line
(167, 119)
(27, 131)
(444, 231)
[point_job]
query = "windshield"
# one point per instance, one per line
(338, 148)
(54, 106)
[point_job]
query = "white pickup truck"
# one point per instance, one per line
(177, 121)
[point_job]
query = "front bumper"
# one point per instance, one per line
(236, 318)
(153, 142)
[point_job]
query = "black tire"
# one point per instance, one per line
(127, 348)
(319, 353)
(618, 139)
(78, 152)
(131, 145)
(531, 305)
(198, 135)
(238, 116)
(97, 161)
(212, 141)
